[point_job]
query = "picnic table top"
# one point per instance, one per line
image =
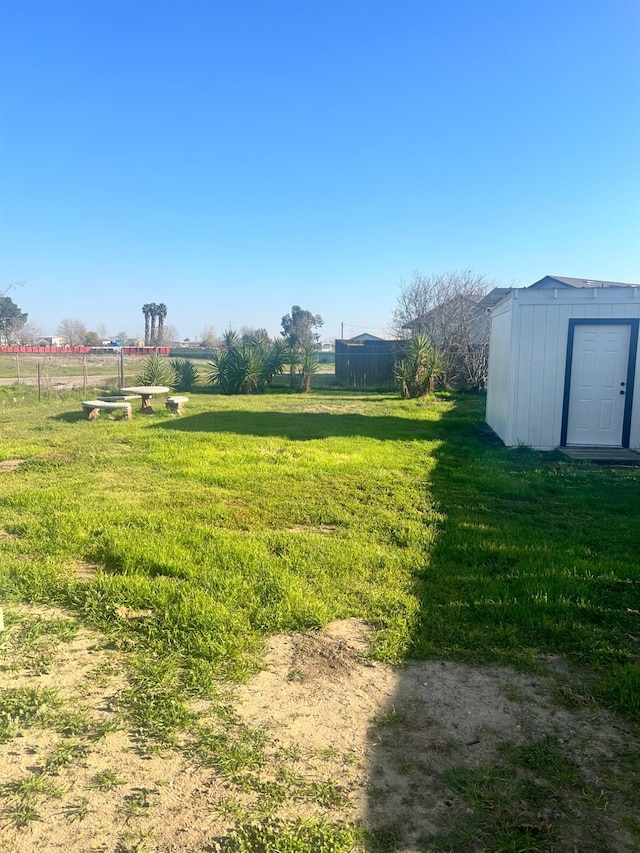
(146, 390)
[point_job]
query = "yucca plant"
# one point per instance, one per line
(418, 372)
(185, 372)
(277, 358)
(156, 371)
(249, 369)
(308, 366)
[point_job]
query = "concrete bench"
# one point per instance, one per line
(176, 404)
(92, 408)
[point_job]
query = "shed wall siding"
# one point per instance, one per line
(540, 386)
(499, 369)
(528, 351)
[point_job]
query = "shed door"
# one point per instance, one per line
(598, 388)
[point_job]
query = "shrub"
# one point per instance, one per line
(417, 373)
(308, 361)
(185, 372)
(247, 369)
(156, 371)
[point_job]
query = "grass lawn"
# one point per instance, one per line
(248, 517)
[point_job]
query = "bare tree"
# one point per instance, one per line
(9, 287)
(445, 309)
(249, 334)
(415, 300)
(74, 331)
(208, 337)
(26, 335)
(166, 336)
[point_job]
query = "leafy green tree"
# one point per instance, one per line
(298, 331)
(92, 339)
(11, 318)
(298, 327)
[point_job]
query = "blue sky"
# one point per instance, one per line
(232, 159)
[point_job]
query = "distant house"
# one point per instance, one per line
(563, 361)
(458, 317)
(367, 336)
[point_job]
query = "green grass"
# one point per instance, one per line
(293, 837)
(534, 798)
(277, 513)
(253, 516)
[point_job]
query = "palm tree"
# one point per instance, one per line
(154, 315)
(161, 313)
(146, 310)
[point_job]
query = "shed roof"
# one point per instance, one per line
(548, 283)
(493, 297)
(560, 281)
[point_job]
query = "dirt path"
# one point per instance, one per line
(344, 739)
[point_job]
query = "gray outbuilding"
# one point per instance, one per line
(563, 362)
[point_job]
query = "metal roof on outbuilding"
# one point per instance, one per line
(550, 281)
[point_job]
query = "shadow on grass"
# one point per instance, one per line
(536, 558)
(536, 553)
(69, 417)
(305, 426)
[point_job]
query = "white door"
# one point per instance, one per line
(598, 389)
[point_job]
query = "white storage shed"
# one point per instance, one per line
(563, 362)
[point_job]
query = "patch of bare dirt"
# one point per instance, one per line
(11, 464)
(367, 740)
(82, 570)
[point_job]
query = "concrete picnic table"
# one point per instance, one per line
(146, 392)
